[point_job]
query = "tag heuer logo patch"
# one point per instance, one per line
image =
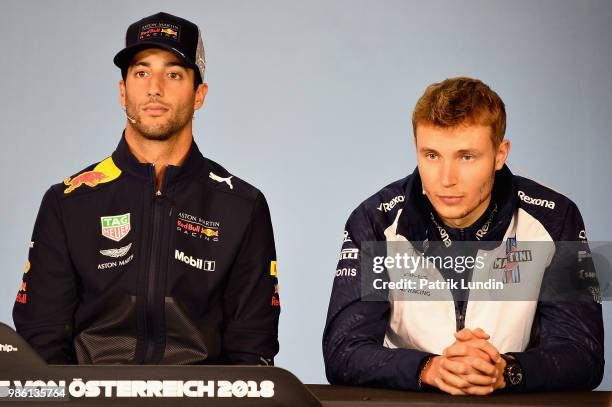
(115, 227)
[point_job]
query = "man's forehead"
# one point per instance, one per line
(453, 138)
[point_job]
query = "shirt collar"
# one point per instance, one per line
(415, 222)
(126, 161)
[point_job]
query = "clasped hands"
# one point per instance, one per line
(470, 366)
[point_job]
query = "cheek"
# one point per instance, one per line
(481, 182)
(428, 175)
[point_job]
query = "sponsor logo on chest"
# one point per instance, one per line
(200, 264)
(113, 264)
(198, 228)
(349, 254)
(511, 272)
(115, 227)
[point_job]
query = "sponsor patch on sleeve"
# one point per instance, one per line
(273, 268)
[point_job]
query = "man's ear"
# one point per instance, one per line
(122, 92)
(200, 95)
(502, 154)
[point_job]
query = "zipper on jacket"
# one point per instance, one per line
(152, 271)
(461, 316)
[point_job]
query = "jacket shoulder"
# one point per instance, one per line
(551, 208)
(379, 210)
(221, 180)
(93, 177)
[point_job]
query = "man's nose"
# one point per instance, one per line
(155, 85)
(449, 173)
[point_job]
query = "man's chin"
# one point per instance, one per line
(450, 213)
(156, 136)
(155, 133)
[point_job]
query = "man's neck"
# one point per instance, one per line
(172, 151)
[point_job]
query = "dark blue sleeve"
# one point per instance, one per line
(353, 348)
(44, 310)
(251, 301)
(568, 353)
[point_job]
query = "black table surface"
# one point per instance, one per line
(363, 396)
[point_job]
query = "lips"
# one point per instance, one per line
(450, 199)
(155, 109)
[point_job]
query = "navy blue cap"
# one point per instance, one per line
(168, 32)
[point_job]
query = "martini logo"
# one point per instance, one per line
(511, 272)
(115, 227)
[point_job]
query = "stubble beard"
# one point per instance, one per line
(159, 131)
(485, 192)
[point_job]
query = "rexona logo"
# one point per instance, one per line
(206, 265)
(386, 207)
(540, 202)
(8, 348)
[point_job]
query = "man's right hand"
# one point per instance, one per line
(471, 365)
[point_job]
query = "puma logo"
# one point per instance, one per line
(217, 178)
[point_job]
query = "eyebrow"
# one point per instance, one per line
(167, 65)
(462, 151)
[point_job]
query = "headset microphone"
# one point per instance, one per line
(133, 121)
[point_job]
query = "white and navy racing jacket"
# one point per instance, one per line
(557, 341)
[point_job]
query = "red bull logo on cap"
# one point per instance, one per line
(105, 171)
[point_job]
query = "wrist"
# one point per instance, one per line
(427, 374)
(513, 374)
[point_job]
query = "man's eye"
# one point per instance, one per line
(174, 75)
(141, 74)
(431, 156)
(468, 157)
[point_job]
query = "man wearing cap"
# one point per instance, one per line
(459, 219)
(155, 254)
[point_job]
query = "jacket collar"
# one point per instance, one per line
(420, 222)
(126, 161)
